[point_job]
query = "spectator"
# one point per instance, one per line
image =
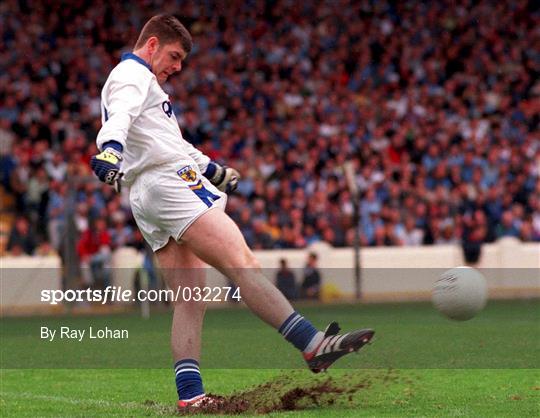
(262, 239)
(411, 234)
(94, 250)
(121, 233)
(474, 235)
(45, 249)
(19, 182)
(21, 238)
(286, 281)
(36, 199)
(56, 168)
(507, 227)
(443, 119)
(56, 211)
(311, 285)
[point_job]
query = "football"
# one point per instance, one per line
(460, 293)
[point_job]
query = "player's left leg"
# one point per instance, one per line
(180, 267)
(216, 239)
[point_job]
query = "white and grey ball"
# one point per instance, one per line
(460, 293)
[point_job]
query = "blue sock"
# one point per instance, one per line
(188, 379)
(299, 331)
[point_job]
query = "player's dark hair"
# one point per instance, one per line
(167, 29)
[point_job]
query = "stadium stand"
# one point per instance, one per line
(435, 103)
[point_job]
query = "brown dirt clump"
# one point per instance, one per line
(291, 393)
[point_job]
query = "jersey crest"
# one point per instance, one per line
(187, 174)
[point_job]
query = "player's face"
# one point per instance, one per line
(167, 60)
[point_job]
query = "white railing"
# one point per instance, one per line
(512, 269)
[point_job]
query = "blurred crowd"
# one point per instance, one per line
(435, 104)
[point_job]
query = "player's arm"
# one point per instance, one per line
(122, 103)
(223, 177)
(106, 164)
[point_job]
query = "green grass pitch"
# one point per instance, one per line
(420, 364)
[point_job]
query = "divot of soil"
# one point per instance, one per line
(288, 393)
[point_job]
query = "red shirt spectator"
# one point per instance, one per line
(94, 240)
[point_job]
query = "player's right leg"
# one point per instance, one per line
(164, 202)
(216, 239)
(180, 267)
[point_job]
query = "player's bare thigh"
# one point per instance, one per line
(180, 266)
(217, 240)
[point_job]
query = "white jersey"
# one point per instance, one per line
(137, 113)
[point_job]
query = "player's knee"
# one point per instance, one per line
(250, 261)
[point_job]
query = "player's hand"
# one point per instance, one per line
(225, 178)
(106, 165)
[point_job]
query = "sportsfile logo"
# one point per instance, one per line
(118, 294)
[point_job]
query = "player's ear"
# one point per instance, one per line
(152, 44)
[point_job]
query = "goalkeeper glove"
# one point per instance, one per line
(224, 178)
(106, 164)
